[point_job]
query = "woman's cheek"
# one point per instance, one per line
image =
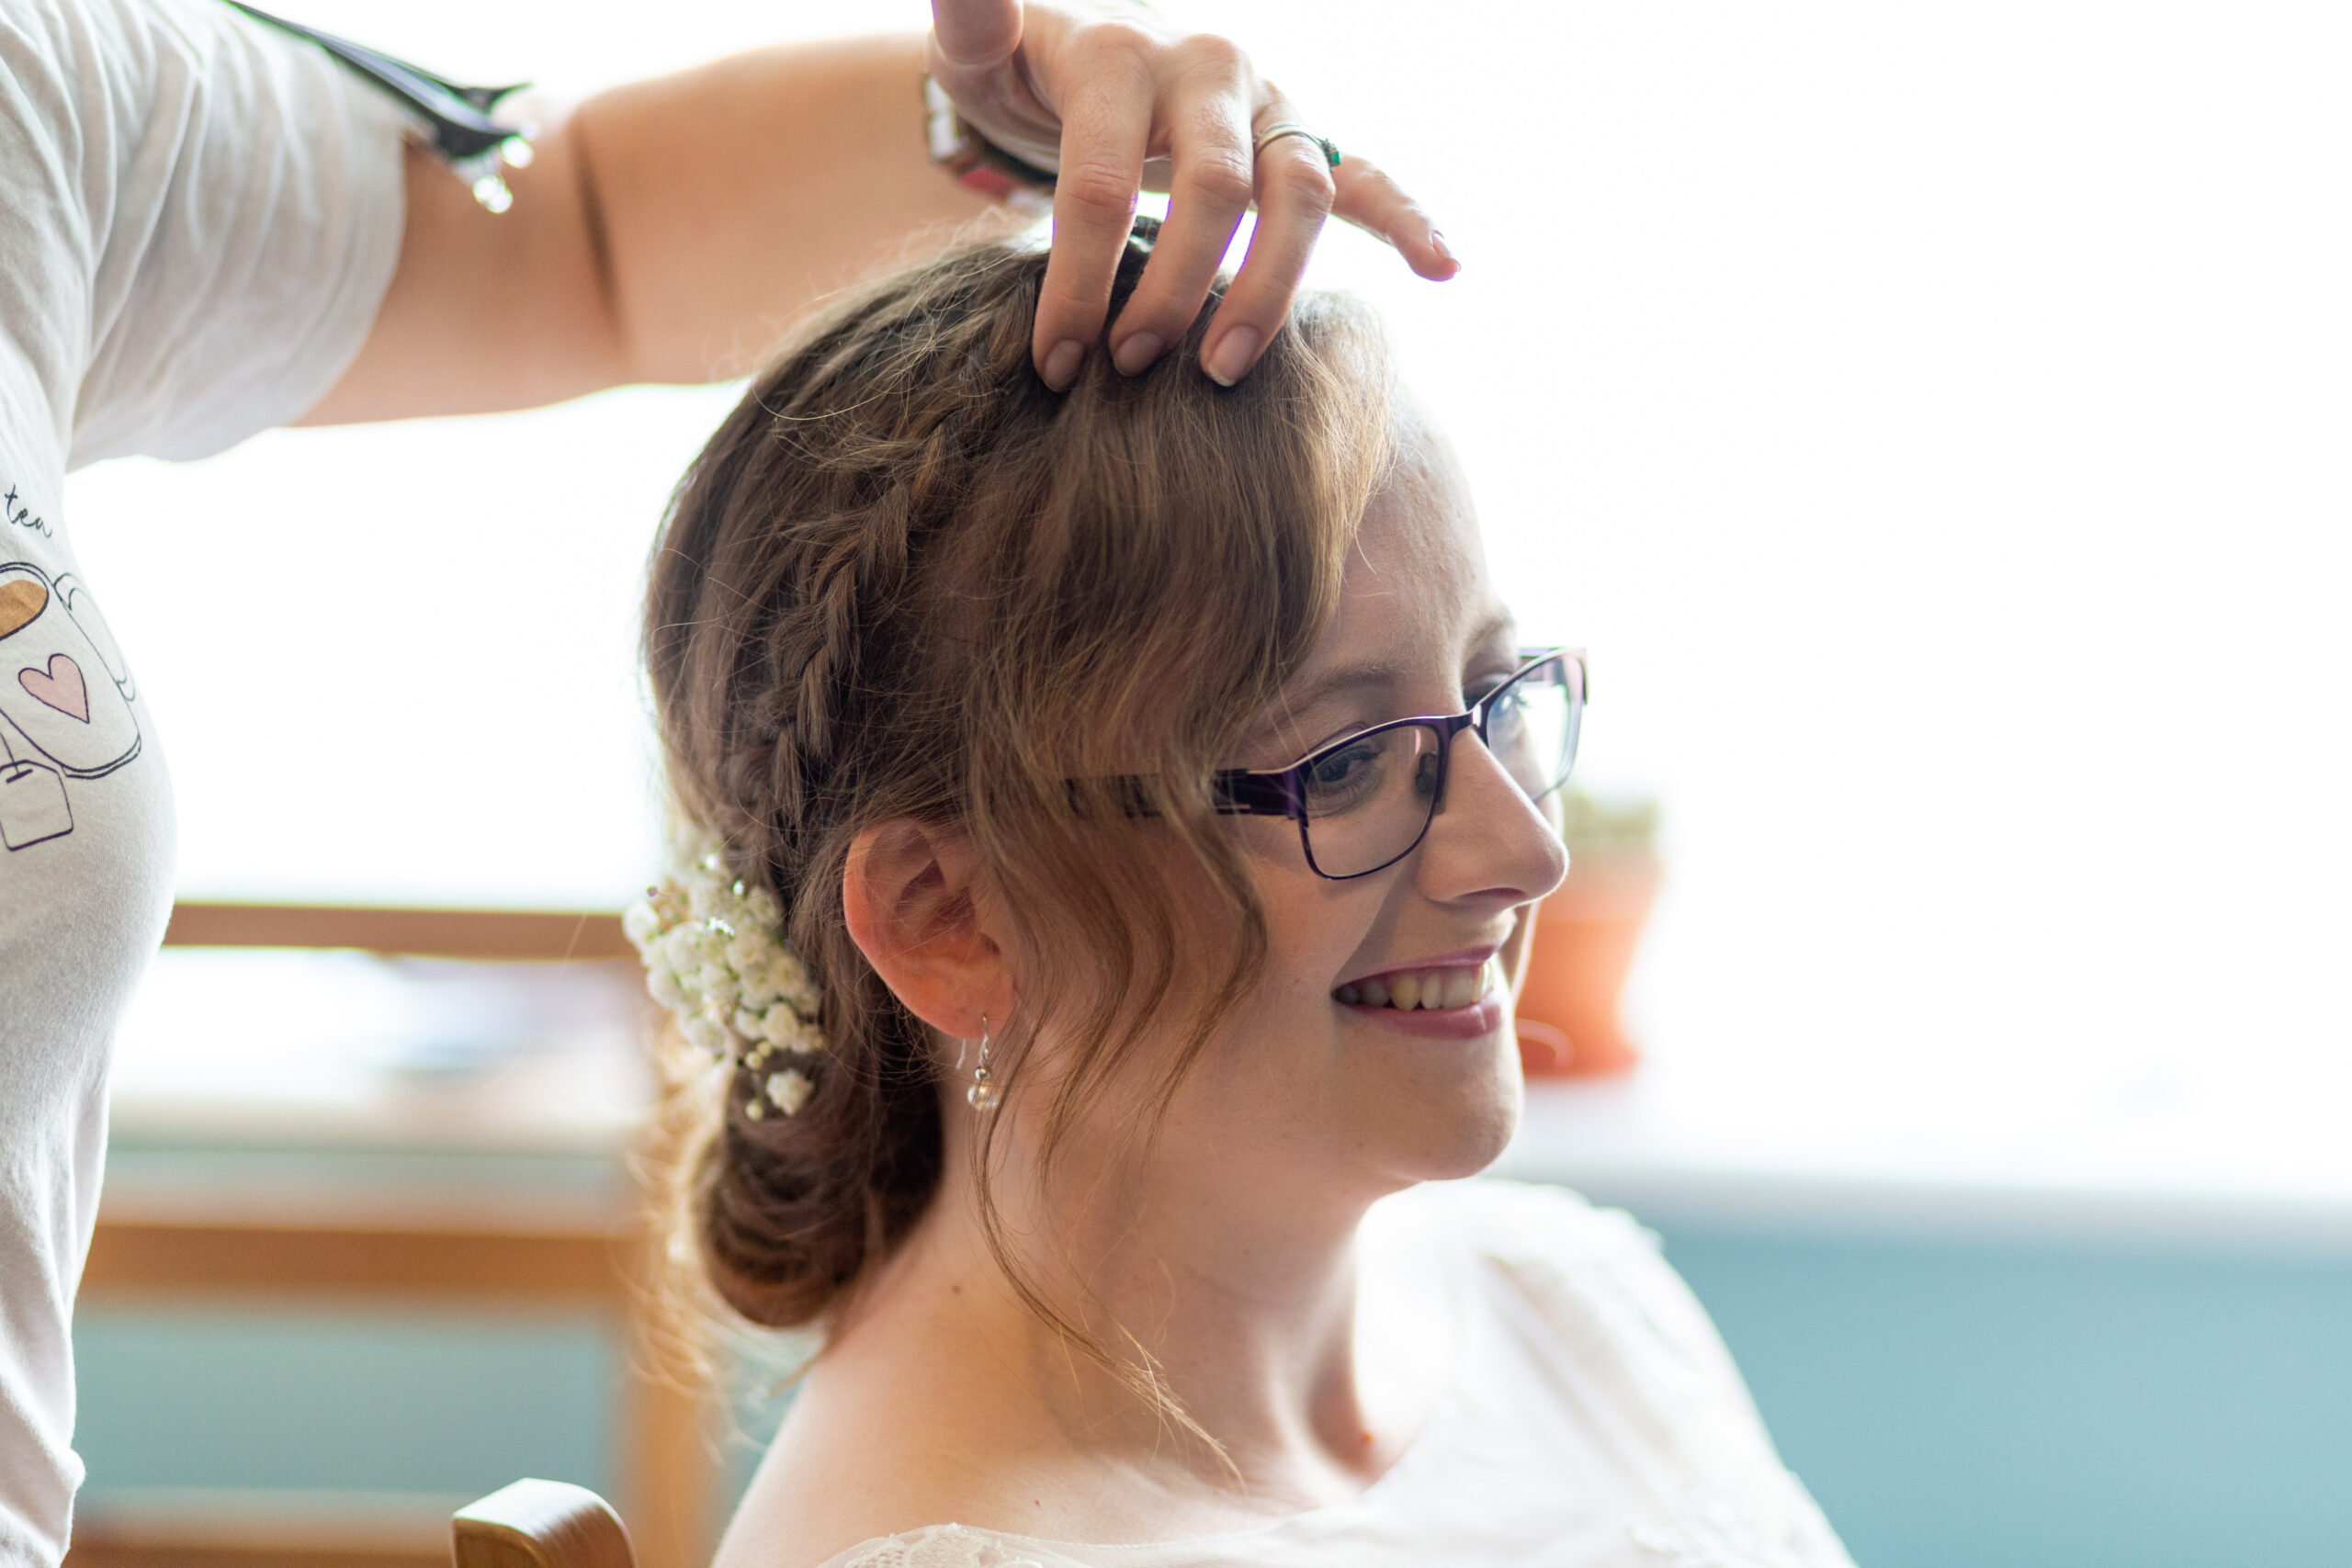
(1514, 953)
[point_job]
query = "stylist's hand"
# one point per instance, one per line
(1117, 99)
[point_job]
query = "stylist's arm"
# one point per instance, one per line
(671, 230)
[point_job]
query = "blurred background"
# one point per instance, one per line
(1932, 421)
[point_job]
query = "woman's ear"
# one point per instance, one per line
(911, 896)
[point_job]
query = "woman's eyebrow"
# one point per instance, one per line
(1378, 676)
(1374, 677)
(1292, 706)
(1348, 679)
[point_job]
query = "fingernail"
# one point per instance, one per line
(1436, 243)
(1229, 360)
(1138, 353)
(1061, 365)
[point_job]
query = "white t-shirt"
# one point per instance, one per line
(197, 220)
(1592, 1419)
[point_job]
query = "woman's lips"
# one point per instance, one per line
(1443, 1002)
(1435, 987)
(1481, 1018)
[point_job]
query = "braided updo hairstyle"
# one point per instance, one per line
(905, 579)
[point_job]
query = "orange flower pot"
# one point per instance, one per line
(1581, 950)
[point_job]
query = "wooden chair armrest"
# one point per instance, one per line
(540, 1524)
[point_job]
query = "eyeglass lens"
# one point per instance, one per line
(1531, 727)
(1369, 800)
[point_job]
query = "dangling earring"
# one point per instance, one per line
(983, 1094)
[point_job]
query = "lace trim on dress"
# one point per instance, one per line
(1712, 1529)
(942, 1546)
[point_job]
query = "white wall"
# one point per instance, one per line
(1932, 418)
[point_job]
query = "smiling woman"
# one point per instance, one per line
(1030, 723)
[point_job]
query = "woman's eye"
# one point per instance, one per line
(1347, 778)
(1340, 766)
(1476, 692)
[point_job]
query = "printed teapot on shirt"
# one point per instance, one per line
(63, 708)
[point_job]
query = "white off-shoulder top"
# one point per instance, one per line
(1593, 1421)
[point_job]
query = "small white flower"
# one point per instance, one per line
(641, 924)
(789, 1090)
(786, 1028)
(762, 909)
(706, 899)
(679, 951)
(749, 955)
(787, 978)
(717, 983)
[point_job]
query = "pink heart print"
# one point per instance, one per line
(61, 687)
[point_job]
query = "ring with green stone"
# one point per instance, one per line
(1274, 133)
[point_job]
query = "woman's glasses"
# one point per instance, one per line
(1364, 802)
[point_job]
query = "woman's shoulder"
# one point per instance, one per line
(892, 1460)
(1587, 1294)
(1589, 1286)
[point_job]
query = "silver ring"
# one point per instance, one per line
(1275, 133)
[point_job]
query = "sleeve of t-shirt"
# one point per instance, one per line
(213, 212)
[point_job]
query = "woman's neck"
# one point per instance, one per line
(1243, 1305)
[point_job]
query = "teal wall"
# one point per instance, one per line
(450, 1403)
(1963, 1404)
(1950, 1402)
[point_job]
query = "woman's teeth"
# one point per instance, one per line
(1425, 988)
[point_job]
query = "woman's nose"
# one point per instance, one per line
(1489, 841)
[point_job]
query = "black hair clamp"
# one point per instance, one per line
(458, 120)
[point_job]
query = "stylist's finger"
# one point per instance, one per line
(1294, 195)
(1106, 118)
(1209, 187)
(1368, 198)
(976, 34)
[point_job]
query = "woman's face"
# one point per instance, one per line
(1325, 1077)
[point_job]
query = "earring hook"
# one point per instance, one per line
(984, 1094)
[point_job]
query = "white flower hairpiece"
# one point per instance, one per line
(715, 955)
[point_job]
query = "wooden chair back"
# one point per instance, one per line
(540, 1524)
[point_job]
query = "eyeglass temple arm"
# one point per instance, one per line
(1238, 792)
(1572, 656)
